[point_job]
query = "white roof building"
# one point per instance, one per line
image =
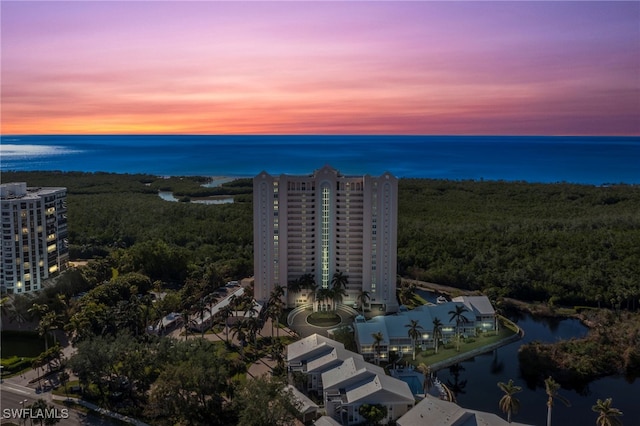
(482, 308)
(312, 346)
(354, 382)
(434, 411)
(346, 380)
(314, 355)
(477, 304)
(394, 328)
(307, 407)
(326, 421)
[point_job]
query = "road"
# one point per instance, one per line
(14, 397)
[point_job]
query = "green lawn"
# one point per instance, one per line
(324, 319)
(445, 352)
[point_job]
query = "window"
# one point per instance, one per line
(326, 211)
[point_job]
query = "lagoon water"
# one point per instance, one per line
(587, 160)
(477, 380)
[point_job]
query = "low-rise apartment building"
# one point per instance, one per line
(478, 314)
(346, 381)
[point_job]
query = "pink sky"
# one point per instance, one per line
(554, 68)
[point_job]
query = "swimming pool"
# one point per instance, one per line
(414, 382)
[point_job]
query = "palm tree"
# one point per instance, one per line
(437, 332)
(186, 322)
(458, 315)
(52, 357)
(363, 298)
(337, 295)
(414, 333)
(276, 353)
(309, 282)
(226, 312)
(294, 287)
(323, 294)
(405, 294)
(148, 307)
(39, 405)
(45, 322)
(48, 321)
(252, 325)
(63, 377)
(238, 331)
(339, 280)
(36, 365)
(377, 339)
(12, 312)
(251, 309)
(551, 387)
(201, 308)
(426, 372)
(38, 309)
(274, 310)
(608, 415)
(276, 293)
(509, 403)
(339, 283)
(246, 302)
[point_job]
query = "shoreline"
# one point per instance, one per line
(232, 177)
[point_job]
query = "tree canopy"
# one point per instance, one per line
(561, 243)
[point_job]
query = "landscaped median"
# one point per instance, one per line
(448, 355)
(77, 403)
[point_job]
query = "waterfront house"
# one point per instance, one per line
(482, 309)
(394, 328)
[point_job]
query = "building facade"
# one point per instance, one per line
(34, 236)
(322, 224)
(346, 381)
(479, 316)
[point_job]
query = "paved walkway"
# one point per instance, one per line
(445, 289)
(261, 367)
(266, 331)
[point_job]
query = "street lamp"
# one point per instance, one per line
(22, 412)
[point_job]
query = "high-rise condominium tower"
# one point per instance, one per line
(34, 236)
(325, 224)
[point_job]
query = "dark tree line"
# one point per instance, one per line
(559, 243)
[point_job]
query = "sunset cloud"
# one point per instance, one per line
(316, 67)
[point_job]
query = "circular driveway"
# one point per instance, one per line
(300, 325)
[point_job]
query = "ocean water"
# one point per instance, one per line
(587, 160)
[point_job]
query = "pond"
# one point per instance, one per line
(475, 381)
(22, 343)
(213, 182)
(168, 196)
